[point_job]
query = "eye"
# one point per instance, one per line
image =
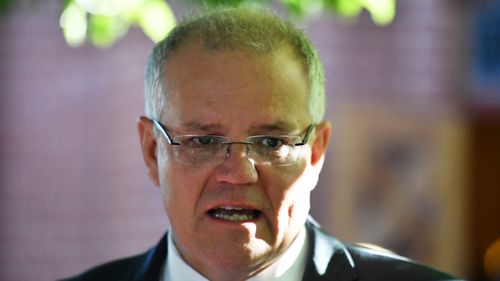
(271, 142)
(203, 140)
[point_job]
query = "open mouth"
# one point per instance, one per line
(234, 214)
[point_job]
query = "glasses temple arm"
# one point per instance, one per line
(162, 129)
(306, 137)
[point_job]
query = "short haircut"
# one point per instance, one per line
(235, 29)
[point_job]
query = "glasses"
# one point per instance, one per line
(200, 150)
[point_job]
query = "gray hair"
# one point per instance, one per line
(239, 29)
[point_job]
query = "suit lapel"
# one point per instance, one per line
(328, 259)
(153, 262)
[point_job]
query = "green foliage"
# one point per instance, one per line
(4, 5)
(104, 21)
(300, 7)
(223, 3)
(382, 11)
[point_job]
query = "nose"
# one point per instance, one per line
(237, 168)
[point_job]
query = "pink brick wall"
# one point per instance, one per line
(74, 191)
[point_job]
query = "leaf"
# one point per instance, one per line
(156, 19)
(382, 11)
(73, 22)
(105, 30)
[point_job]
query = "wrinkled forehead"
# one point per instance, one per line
(232, 82)
(193, 60)
(195, 45)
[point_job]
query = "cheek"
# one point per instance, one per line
(288, 191)
(298, 200)
(176, 182)
(164, 164)
(181, 187)
(178, 186)
(300, 192)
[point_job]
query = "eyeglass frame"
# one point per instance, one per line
(170, 139)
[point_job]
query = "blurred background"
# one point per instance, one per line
(413, 91)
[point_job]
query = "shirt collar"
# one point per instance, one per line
(289, 267)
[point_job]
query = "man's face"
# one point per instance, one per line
(235, 94)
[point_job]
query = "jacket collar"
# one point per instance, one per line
(152, 262)
(328, 258)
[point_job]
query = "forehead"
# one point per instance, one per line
(227, 86)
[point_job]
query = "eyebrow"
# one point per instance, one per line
(279, 127)
(196, 126)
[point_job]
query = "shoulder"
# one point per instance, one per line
(115, 270)
(146, 266)
(330, 259)
(375, 264)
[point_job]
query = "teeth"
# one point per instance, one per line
(232, 213)
(233, 217)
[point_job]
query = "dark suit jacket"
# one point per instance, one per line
(328, 259)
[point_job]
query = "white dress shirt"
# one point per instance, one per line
(289, 267)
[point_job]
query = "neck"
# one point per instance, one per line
(221, 272)
(277, 265)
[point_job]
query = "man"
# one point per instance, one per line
(235, 139)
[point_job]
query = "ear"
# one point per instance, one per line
(148, 146)
(320, 144)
